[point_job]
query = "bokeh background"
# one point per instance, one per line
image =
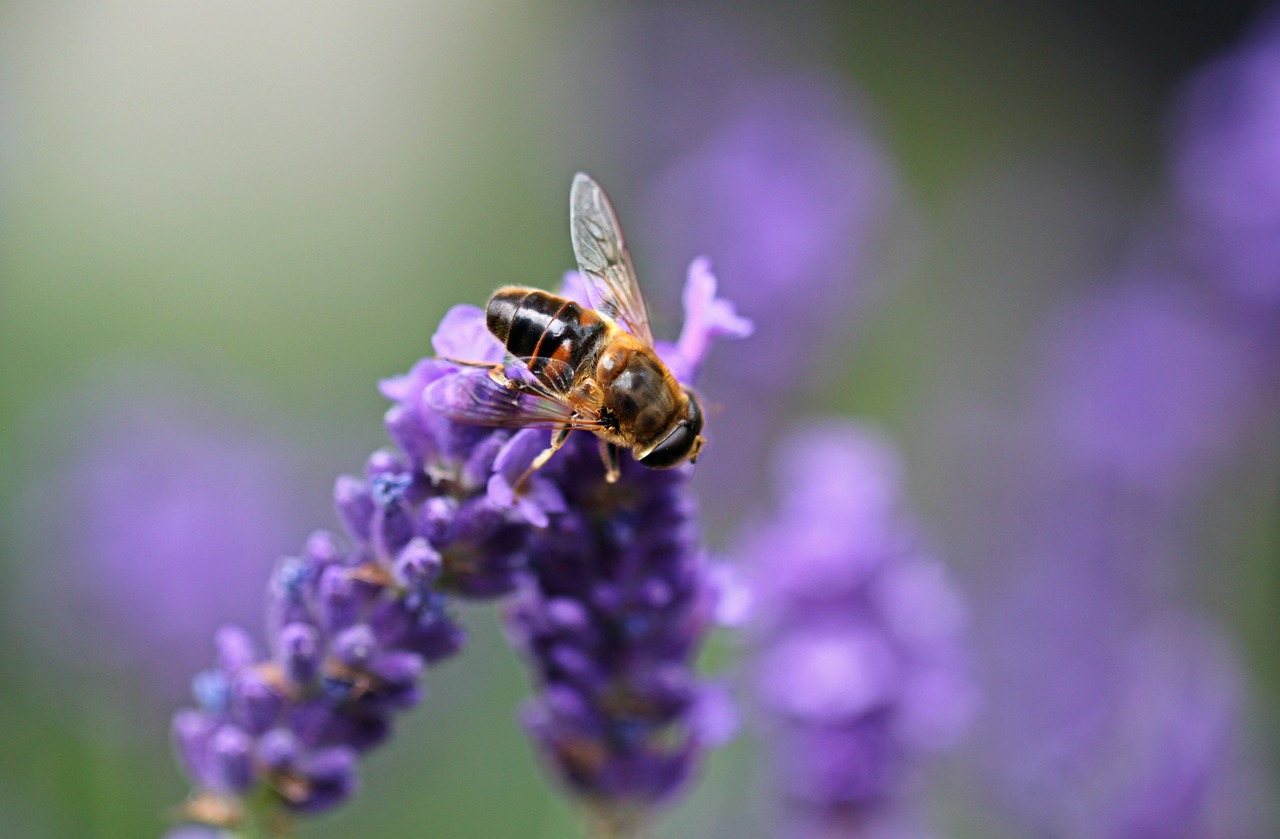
(222, 223)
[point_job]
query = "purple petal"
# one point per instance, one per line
(463, 336)
(706, 317)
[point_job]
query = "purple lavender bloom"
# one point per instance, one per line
(352, 627)
(861, 669)
(616, 603)
(611, 618)
(1226, 165)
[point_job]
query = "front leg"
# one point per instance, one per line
(557, 440)
(609, 454)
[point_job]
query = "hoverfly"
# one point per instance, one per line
(571, 368)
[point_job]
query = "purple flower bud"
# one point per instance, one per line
(420, 627)
(566, 615)
(488, 550)
(299, 652)
(321, 549)
(435, 520)
(388, 488)
(339, 597)
(405, 429)
(235, 649)
(478, 465)
(355, 506)
(398, 668)
(231, 752)
(255, 705)
(192, 731)
(572, 664)
(418, 566)
(355, 646)
(278, 750)
(291, 580)
(330, 777)
(212, 690)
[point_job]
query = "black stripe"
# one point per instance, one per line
(532, 318)
(586, 338)
(559, 331)
(533, 323)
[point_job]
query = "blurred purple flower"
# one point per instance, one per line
(1144, 388)
(787, 195)
(861, 669)
(1113, 713)
(156, 523)
(1226, 166)
(615, 607)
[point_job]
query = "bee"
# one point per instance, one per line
(576, 368)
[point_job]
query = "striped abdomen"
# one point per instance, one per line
(535, 324)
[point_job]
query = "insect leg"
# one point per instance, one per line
(463, 362)
(499, 375)
(609, 454)
(557, 440)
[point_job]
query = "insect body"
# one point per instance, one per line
(593, 369)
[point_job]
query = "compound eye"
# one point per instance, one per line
(673, 450)
(684, 439)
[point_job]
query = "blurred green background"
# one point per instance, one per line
(276, 202)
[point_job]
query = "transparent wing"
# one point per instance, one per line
(550, 376)
(603, 258)
(476, 396)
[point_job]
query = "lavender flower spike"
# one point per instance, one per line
(351, 627)
(861, 669)
(612, 611)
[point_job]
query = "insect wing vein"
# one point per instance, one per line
(603, 258)
(474, 396)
